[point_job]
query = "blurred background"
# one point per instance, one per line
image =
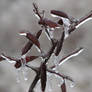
(17, 15)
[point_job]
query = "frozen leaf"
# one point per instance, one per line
(29, 44)
(27, 47)
(49, 23)
(59, 14)
(32, 38)
(43, 77)
(59, 45)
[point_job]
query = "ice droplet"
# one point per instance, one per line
(23, 70)
(72, 84)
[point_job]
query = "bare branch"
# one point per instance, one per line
(31, 89)
(64, 59)
(84, 19)
(60, 75)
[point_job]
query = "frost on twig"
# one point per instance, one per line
(49, 26)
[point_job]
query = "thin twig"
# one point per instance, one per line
(60, 75)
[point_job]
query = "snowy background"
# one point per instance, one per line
(16, 15)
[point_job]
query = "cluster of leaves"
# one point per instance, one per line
(69, 25)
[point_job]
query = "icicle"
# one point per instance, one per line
(66, 21)
(56, 60)
(24, 69)
(49, 81)
(51, 34)
(66, 32)
(18, 75)
(61, 81)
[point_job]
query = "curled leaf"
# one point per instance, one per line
(59, 45)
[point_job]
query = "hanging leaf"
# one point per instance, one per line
(63, 87)
(59, 45)
(32, 38)
(59, 14)
(43, 77)
(29, 44)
